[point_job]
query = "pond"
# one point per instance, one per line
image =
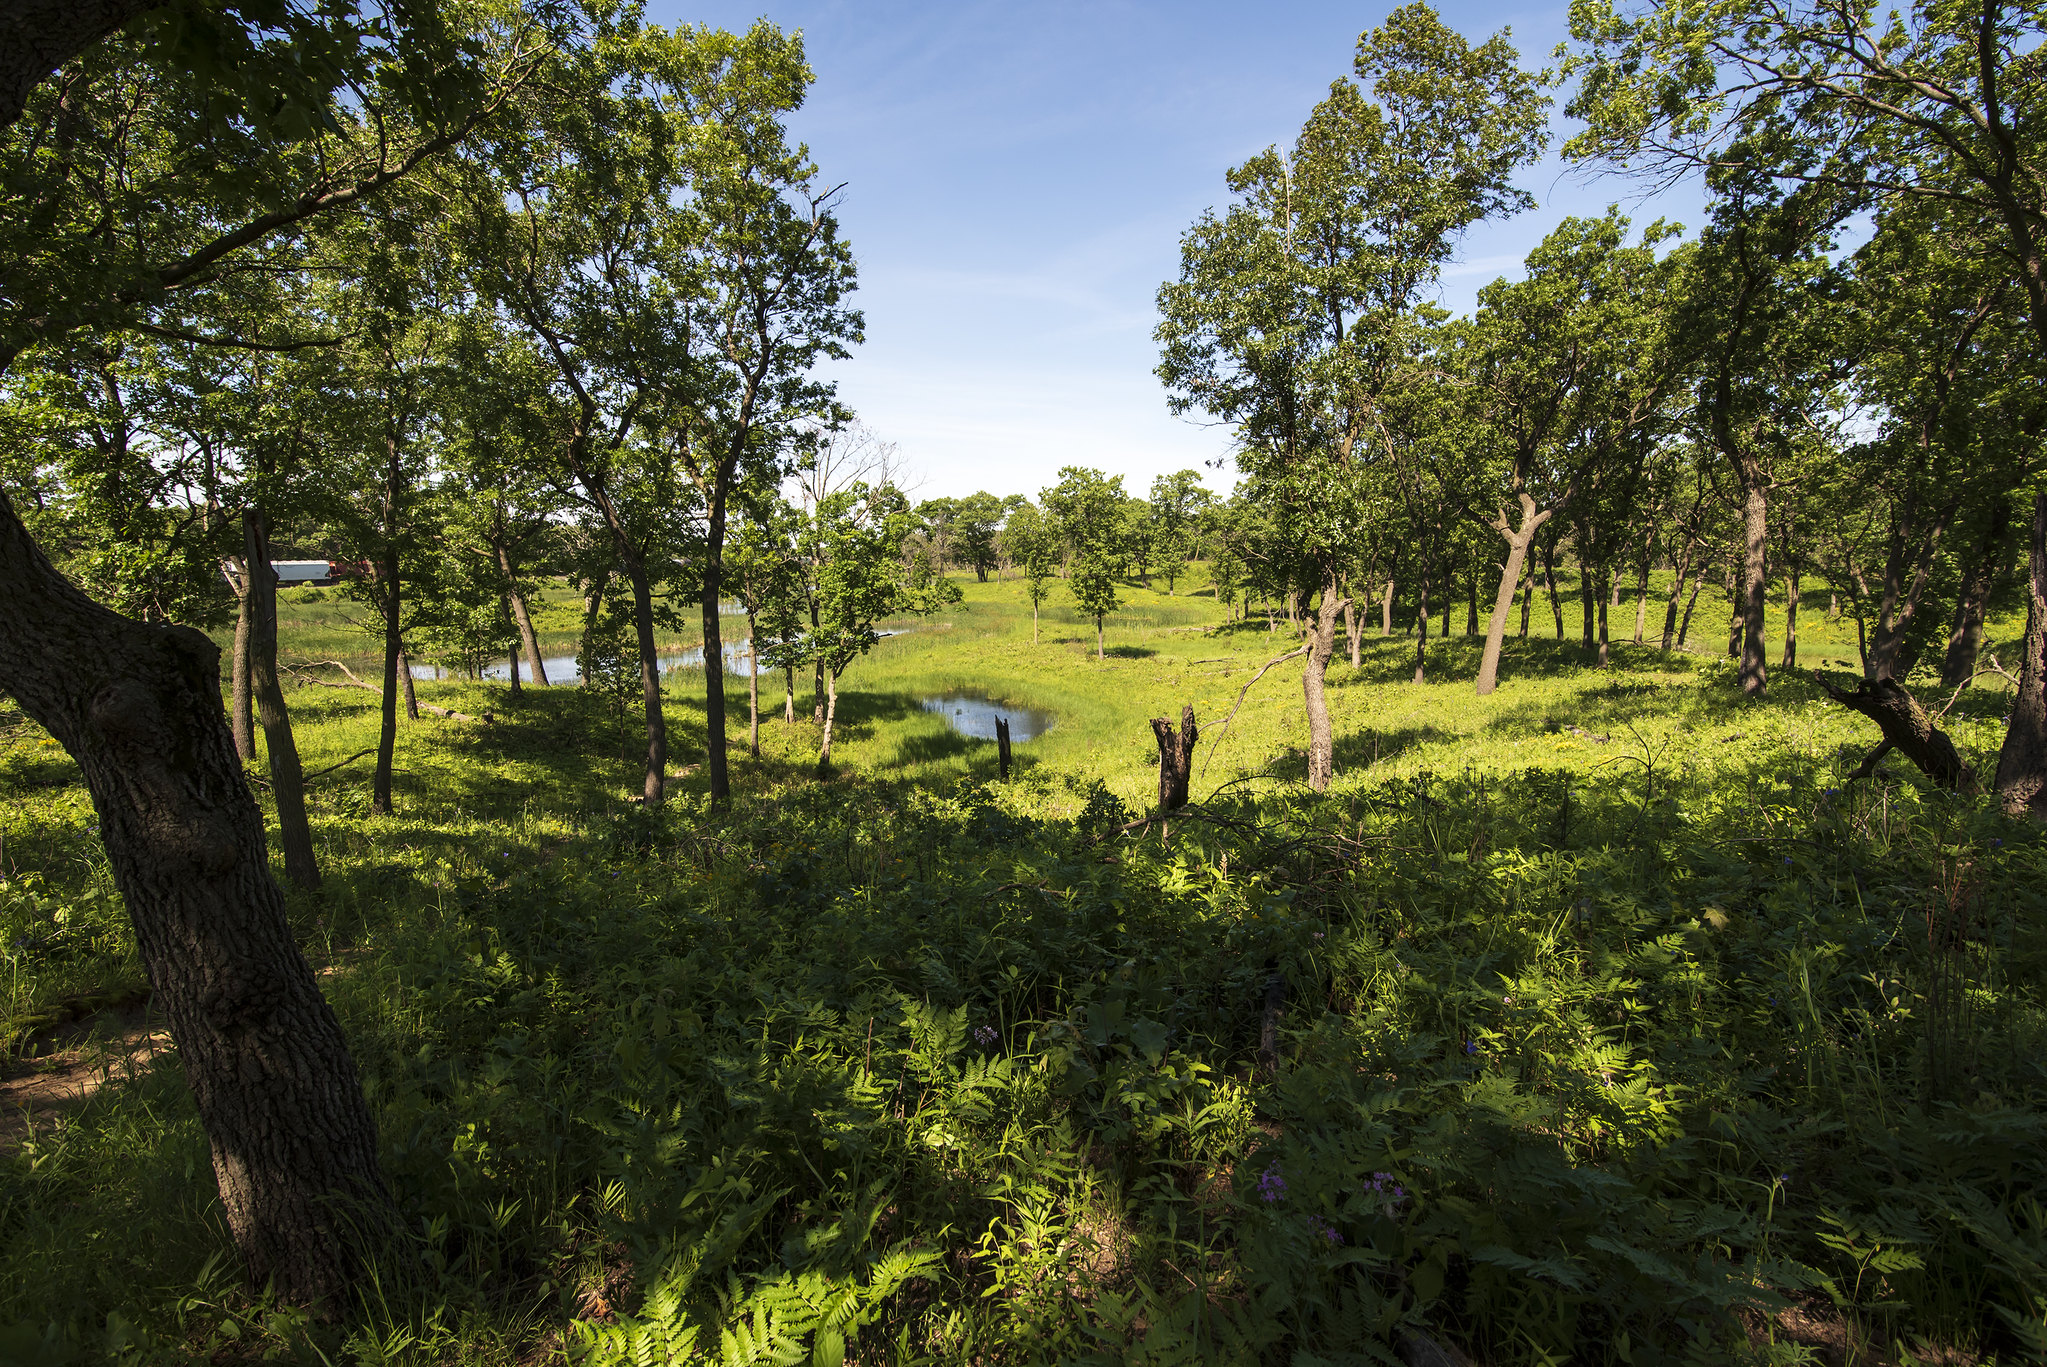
(972, 715)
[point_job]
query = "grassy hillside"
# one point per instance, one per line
(1598, 1020)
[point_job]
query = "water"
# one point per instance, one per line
(562, 669)
(975, 716)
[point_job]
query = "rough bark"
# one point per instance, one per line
(1002, 755)
(1350, 631)
(1176, 757)
(2021, 781)
(1386, 610)
(512, 661)
(1605, 597)
(1906, 728)
(593, 603)
(138, 707)
(1684, 627)
(38, 36)
(1321, 736)
(1791, 574)
(1549, 579)
(1642, 602)
(1518, 540)
(287, 781)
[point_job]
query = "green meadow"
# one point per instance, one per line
(1599, 1020)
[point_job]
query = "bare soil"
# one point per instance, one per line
(59, 1070)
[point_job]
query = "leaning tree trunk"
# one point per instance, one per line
(1906, 728)
(1321, 736)
(287, 776)
(405, 679)
(653, 785)
(138, 707)
(1518, 541)
(593, 603)
(522, 616)
(2021, 781)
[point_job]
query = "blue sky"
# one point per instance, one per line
(1017, 179)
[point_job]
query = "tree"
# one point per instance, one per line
(1295, 310)
(1177, 502)
(854, 539)
(976, 524)
(1093, 581)
(1566, 366)
(683, 286)
(307, 114)
(1033, 549)
(767, 580)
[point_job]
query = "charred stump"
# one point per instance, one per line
(1906, 729)
(1176, 758)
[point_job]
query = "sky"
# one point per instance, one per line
(1017, 177)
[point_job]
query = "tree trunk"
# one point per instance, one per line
(1734, 617)
(1321, 736)
(511, 658)
(1604, 593)
(1755, 530)
(387, 724)
(1642, 602)
(1176, 757)
(138, 707)
(1421, 636)
(753, 688)
(1678, 572)
(714, 649)
(1588, 607)
(287, 780)
(405, 678)
(1965, 638)
(831, 714)
(1099, 654)
(593, 603)
(653, 786)
(1518, 540)
(789, 695)
(2021, 781)
(1386, 609)
(1549, 579)
(1034, 621)
(1906, 728)
(524, 618)
(1684, 627)
(1350, 629)
(1791, 573)
(1907, 559)
(1527, 601)
(241, 703)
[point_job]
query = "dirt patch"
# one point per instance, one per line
(60, 1070)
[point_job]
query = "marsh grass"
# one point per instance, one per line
(1609, 1026)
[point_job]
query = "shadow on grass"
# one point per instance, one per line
(1130, 652)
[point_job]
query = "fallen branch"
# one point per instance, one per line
(332, 767)
(303, 673)
(1281, 659)
(1956, 696)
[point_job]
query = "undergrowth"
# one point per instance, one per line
(1610, 1049)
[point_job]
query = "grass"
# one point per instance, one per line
(1606, 1026)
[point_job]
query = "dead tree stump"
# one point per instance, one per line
(1002, 745)
(1906, 729)
(1176, 758)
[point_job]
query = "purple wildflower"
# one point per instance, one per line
(1327, 1230)
(1271, 1186)
(987, 1035)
